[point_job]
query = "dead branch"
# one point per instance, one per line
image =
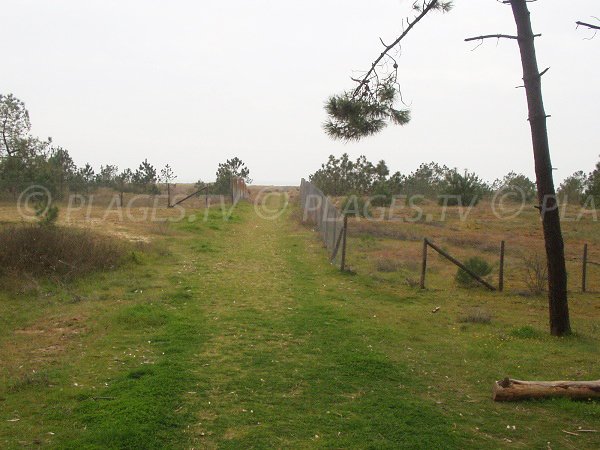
(588, 25)
(496, 36)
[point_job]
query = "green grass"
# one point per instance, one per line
(241, 335)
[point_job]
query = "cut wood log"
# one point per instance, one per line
(513, 390)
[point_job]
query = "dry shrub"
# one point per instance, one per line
(535, 273)
(410, 265)
(476, 315)
(411, 282)
(387, 265)
(28, 380)
(60, 253)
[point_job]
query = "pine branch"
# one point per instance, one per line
(433, 4)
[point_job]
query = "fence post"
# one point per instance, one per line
(335, 224)
(501, 273)
(584, 271)
(326, 224)
(343, 264)
(424, 264)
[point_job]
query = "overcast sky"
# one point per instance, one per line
(191, 83)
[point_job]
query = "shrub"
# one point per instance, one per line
(526, 332)
(477, 315)
(535, 273)
(56, 252)
(386, 265)
(381, 195)
(476, 265)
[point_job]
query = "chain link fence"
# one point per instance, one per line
(319, 210)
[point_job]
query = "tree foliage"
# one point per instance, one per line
(352, 118)
(519, 185)
(462, 190)
(592, 189)
(14, 125)
(231, 168)
(573, 188)
(372, 104)
(343, 177)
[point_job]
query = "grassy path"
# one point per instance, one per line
(241, 335)
(286, 366)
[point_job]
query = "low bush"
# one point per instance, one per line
(526, 332)
(381, 196)
(387, 265)
(477, 315)
(535, 273)
(60, 253)
(478, 266)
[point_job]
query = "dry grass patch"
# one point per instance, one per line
(387, 265)
(60, 253)
(476, 315)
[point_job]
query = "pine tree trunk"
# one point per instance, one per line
(555, 253)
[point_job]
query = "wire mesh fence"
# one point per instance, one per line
(239, 190)
(319, 210)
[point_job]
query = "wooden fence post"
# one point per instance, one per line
(343, 264)
(501, 271)
(584, 271)
(424, 264)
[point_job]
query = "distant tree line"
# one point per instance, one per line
(343, 176)
(26, 161)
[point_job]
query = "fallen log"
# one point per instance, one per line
(513, 390)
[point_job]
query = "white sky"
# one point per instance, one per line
(191, 83)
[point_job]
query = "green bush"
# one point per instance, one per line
(382, 195)
(476, 265)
